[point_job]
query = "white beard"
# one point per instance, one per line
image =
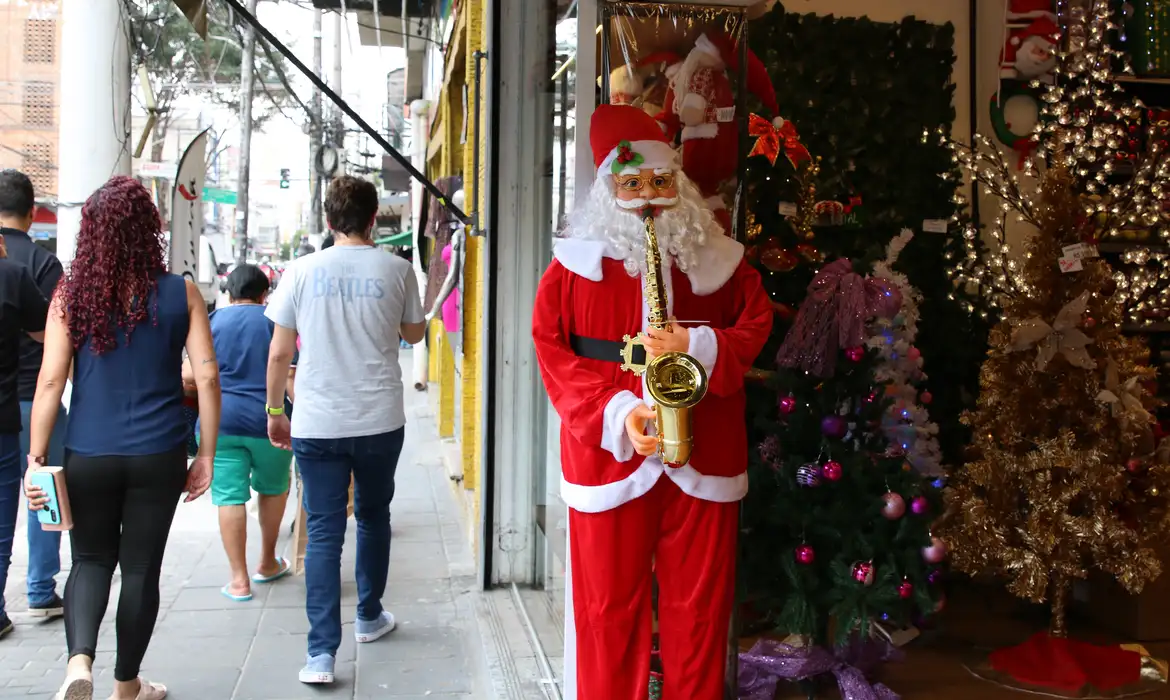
(683, 228)
(1032, 64)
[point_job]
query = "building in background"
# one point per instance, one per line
(29, 96)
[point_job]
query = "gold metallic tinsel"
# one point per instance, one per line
(1047, 495)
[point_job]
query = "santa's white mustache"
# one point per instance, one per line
(642, 203)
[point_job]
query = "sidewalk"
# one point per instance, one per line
(206, 647)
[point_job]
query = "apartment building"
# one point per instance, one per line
(30, 90)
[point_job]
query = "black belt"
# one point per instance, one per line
(604, 350)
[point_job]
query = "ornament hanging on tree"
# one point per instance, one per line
(906, 589)
(779, 260)
(935, 552)
(919, 505)
(863, 572)
(805, 555)
(833, 471)
(834, 427)
(787, 405)
(809, 474)
(855, 354)
(893, 506)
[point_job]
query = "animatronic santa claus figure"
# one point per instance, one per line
(1030, 52)
(702, 103)
(627, 511)
(645, 84)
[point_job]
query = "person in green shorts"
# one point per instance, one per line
(245, 460)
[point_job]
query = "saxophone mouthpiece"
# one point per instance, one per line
(649, 212)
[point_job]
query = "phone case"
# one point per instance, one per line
(55, 515)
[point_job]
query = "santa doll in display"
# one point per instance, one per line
(701, 105)
(1030, 53)
(644, 85)
(628, 512)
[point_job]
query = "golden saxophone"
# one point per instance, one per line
(676, 381)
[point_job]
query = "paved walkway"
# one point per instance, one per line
(206, 647)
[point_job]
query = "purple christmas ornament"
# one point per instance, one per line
(919, 505)
(834, 427)
(809, 474)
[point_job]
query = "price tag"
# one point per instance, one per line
(1070, 265)
(787, 209)
(1080, 251)
(935, 225)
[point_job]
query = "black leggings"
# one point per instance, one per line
(122, 513)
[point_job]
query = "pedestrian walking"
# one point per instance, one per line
(22, 314)
(122, 322)
(17, 206)
(351, 304)
(245, 460)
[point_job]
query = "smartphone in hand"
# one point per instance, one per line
(55, 515)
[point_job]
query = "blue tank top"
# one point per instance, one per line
(129, 401)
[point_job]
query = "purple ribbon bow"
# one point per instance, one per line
(769, 662)
(833, 317)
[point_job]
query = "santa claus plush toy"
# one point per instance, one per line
(1030, 52)
(628, 512)
(643, 85)
(702, 103)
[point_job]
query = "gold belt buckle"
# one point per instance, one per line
(628, 363)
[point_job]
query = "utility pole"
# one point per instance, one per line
(316, 140)
(94, 114)
(246, 85)
(338, 115)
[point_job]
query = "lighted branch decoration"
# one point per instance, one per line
(1115, 153)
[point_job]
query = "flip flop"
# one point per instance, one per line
(232, 596)
(285, 570)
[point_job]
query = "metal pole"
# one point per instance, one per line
(245, 174)
(563, 181)
(250, 18)
(316, 140)
(94, 114)
(338, 115)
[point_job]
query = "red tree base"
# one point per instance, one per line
(1067, 664)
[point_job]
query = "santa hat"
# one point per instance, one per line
(626, 138)
(1030, 9)
(758, 82)
(1043, 28)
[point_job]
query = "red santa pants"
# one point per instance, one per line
(691, 545)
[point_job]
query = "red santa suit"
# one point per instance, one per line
(701, 101)
(629, 515)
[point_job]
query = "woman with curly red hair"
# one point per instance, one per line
(122, 322)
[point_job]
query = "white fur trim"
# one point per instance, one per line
(704, 45)
(693, 101)
(613, 432)
(719, 489)
(715, 203)
(581, 256)
(597, 499)
(702, 131)
(719, 258)
(655, 154)
(703, 346)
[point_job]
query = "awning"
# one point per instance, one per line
(398, 239)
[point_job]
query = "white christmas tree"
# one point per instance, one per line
(906, 423)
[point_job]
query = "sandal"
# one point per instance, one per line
(285, 570)
(149, 691)
(76, 688)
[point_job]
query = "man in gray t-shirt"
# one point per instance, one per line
(350, 305)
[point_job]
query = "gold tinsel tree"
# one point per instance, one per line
(1064, 476)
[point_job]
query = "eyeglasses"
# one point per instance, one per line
(637, 183)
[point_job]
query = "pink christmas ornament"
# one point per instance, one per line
(927, 397)
(855, 354)
(919, 505)
(805, 555)
(893, 506)
(905, 590)
(787, 404)
(863, 573)
(936, 552)
(832, 471)
(913, 353)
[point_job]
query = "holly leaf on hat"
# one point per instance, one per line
(627, 157)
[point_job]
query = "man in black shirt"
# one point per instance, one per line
(23, 310)
(16, 216)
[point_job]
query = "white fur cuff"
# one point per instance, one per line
(703, 131)
(613, 432)
(704, 347)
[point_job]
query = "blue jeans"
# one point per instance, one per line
(10, 476)
(325, 466)
(44, 548)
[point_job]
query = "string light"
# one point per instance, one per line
(1089, 126)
